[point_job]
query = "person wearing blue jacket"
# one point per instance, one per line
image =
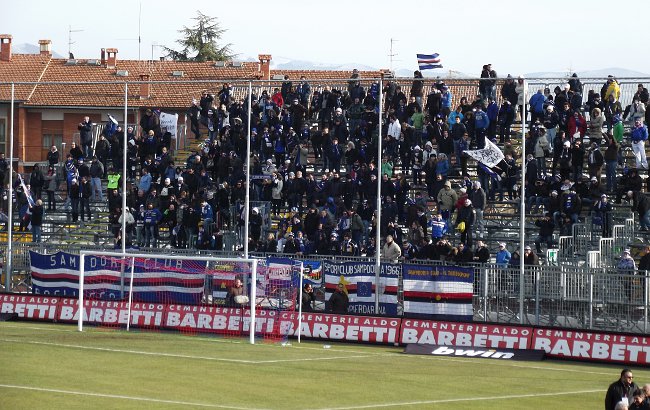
(503, 256)
(639, 137)
(481, 124)
(537, 105)
(152, 217)
(207, 215)
(493, 114)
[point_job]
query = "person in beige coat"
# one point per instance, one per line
(391, 250)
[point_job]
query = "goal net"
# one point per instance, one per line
(164, 292)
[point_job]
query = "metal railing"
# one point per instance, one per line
(581, 297)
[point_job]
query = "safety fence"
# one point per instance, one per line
(566, 295)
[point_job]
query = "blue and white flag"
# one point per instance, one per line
(491, 155)
(26, 190)
(429, 61)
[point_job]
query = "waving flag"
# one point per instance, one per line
(429, 61)
(26, 190)
(491, 155)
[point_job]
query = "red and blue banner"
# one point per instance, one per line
(439, 292)
(154, 280)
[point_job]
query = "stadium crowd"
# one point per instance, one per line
(314, 160)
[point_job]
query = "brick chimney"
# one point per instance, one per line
(46, 47)
(111, 54)
(103, 57)
(265, 66)
(145, 86)
(5, 47)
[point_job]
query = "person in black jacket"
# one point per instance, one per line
(308, 298)
(339, 301)
(621, 389)
(467, 216)
(37, 221)
(482, 253)
(546, 227)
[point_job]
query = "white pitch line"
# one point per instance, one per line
(105, 349)
(419, 403)
(119, 396)
(315, 359)
(182, 356)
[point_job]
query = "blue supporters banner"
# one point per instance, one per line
(155, 281)
(359, 281)
(441, 292)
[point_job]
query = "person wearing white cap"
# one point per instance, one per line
(602, 216)
(530, 257)
(626, 266)
(564, 160)
(503, 255)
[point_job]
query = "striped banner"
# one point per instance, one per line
(154, 281)
(440, 292)
(359, 280)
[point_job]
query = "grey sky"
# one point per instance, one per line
(515, 36)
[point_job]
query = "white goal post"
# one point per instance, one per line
(132, 256)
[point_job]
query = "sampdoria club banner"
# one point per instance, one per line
(157, 281)
(359, 281)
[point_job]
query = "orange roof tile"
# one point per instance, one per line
(21, 68)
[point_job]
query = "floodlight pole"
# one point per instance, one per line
(10, 195)
(247, 198)
(522, 222)
(378, 205)
(124, 171)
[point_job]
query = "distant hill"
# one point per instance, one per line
(601, 73)
(25, 48)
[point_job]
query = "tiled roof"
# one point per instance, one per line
(21, 68)
(199, 76)
(112, 95)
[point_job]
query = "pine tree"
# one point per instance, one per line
(202, 39)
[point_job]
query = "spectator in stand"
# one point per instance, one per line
(602, 216)
(391, 249)
(621, 390)
(641, 205)
(626, 266)
(505, 119)
(595, 161)
(75, 195)
(487, 85)
(503, 256)
(530, 257)
(84, 198)
(537, 105)
(644, 262)
(85, 134)
(51, 185)
(37, 220)
(482, 254)
(465, 222)
(446, 199)
(611, 162)
(75, 151)
(152, 217)
(638, 138)
(53, 156)
(546, 227)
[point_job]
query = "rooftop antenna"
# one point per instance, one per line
(153, 45)
(391, 54)
(70, 42)
(140, 31)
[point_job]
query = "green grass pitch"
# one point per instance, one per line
(48, 366)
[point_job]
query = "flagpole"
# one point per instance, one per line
(247, 197)
(522, 222)
(124, 171)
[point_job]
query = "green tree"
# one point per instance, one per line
(201, 42)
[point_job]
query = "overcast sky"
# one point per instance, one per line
(515, 36)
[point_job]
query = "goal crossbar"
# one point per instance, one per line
(132, 256)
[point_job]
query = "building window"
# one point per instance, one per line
(3, 136)
(52, 139)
